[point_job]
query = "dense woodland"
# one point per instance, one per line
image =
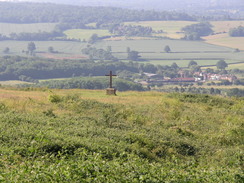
(131, 30)
(195, 31)
(237, 32)
(15, 67)
(40, 13)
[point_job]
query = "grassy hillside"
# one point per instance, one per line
(87, 136)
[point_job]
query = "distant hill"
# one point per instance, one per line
(153, 4)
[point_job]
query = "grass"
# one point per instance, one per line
(225, 26)
(152, 51)
(8, 28)
(12, 82)
(88, 136)
(65, 48)
(230, 66)
(85, 34)
(226, 40)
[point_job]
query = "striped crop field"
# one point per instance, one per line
(181, 50)
(8, 28)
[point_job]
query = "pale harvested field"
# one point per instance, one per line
(225, 26)
(225, 40)
(222, 38)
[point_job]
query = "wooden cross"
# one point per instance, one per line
(111, 76)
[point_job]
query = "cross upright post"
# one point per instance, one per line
(111, 78)
(111, 90)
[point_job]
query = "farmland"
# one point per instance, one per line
(85, 34)
(8, 28)
(151, 49)
(64, 47)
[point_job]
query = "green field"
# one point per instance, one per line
(150, 50)
(8, 28)
(85, 33)
(63, 47)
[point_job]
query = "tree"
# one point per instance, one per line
(109, 49)
(195, 31)
(128, 49)
(221, 64)
(209, 70)
(50, 49)
(6, 50)
(94, 38)
(31, 47)
(167, 49)
(174, 66)
(191, 63)
(133, 55)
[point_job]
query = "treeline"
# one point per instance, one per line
(233, 92)
(91, 83)
(237, 32)
(100, 54)
(79, 15)
(130, 30)
(16, 67)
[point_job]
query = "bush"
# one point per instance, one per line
(55, 98)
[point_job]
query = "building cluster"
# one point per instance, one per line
(201, 76)
(197, 77)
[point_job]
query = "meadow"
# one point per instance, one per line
(87, 136)
(182, 52)
(65, 48)
(8, 28)
(85, 34)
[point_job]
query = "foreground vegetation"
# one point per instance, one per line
(86, 136)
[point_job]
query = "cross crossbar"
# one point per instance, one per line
(111, 80)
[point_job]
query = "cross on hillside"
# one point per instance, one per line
(111, 79)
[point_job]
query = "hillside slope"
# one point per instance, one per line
(87, 136)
